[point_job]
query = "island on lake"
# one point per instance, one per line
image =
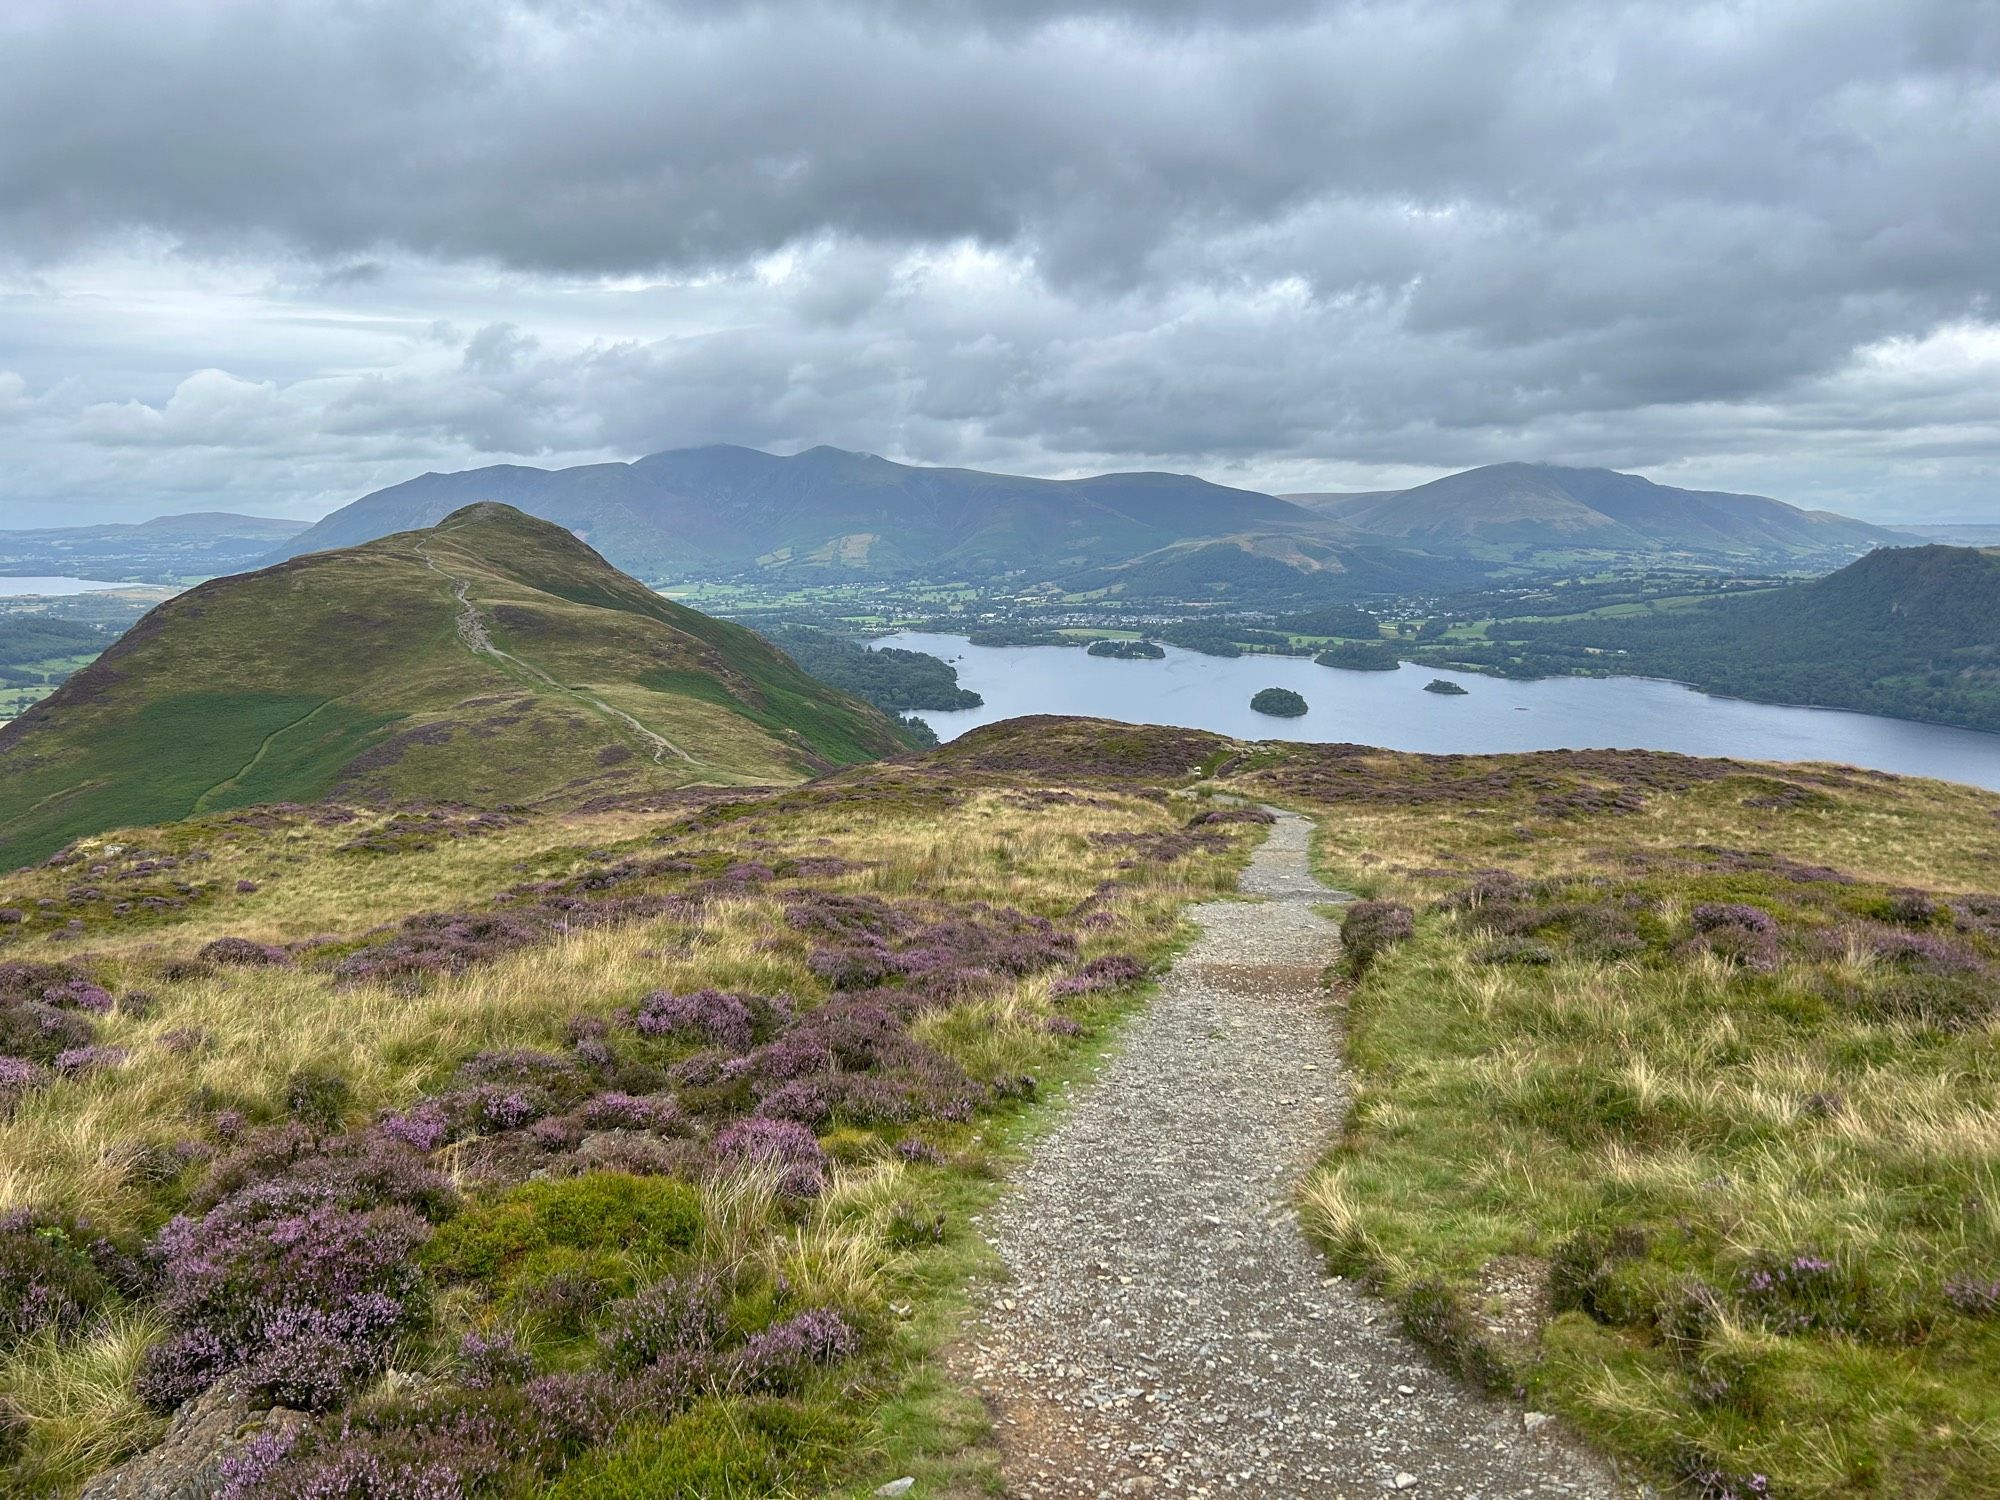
(1128, 650)
(1280, 703)
(1440, 685)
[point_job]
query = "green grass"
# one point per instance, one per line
(1567, 1089)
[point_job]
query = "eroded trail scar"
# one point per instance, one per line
(472, 633)
(1167, 1329)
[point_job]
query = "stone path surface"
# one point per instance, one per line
(1166, 1329)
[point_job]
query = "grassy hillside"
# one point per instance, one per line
(553, 680)
(1677, 1090)
(641, 1146)
(635, 1148)
(1908, 631)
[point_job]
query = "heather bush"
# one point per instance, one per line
(619, 1111)
(47, 1279)
(1910, 908)
(440, 1445)
(78, 993)
(39, 1033)
(783, 1356)
(492, 1359)
(560, 1291)
(674, 1319)
(706, 1017)
(286, 1168)
(76, 1061)
(1526, 952)
(305, 1303)
(1369, 929)
(1712, 916)
(577, 1409)
(1744, 935)
(1107, 973)
(244, 953)
(1973, 1296)
(1803, 1291)
(1920, 952)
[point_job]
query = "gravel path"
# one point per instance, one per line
(1166, 1328)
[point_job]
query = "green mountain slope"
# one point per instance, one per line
(1908, 631)
(494, 659)
(1517, 512)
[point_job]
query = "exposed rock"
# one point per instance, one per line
(187, 1463)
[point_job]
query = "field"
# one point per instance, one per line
(1677, 1109)
(1678, 1103)
(612, 1153)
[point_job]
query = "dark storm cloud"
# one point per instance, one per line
(1213, 230)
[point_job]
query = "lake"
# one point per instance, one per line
(15, 588)
(1393, 710)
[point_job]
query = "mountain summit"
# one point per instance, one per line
(492, 659)
(1507, 510)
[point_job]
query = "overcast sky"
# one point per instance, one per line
(269, 257)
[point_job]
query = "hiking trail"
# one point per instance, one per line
(1166, 1328)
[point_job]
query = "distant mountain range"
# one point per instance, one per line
(826, 514)
(166, 549)
(493, 659)
(1521, 512)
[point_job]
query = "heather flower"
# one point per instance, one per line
(78, 994)
(1974, 1296)
(244, 953)
(618, 1111)
(1371, 927)
(919, 1152)
(487, 1360)
(47, 1280)
(304, 1303)
(708, 1016)
(1106, 973)
(1712, 916)
(675, 1317)
(575, 1410)
(783, 1144)
(783, 1355)
(424, 1126)
(18, 1076)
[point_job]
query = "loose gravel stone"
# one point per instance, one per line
(1166, 1329)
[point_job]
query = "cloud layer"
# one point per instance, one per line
(272, 256)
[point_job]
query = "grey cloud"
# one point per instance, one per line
(1261, 237)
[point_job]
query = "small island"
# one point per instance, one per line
(1128, 650)
(1449, 689)
(1281, 703)
(1360, 656)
